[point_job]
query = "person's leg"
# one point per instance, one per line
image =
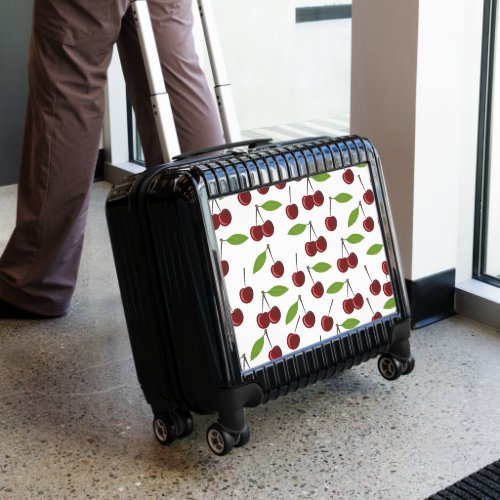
(70, 51)
(195, 112)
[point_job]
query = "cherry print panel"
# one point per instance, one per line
(303, 261)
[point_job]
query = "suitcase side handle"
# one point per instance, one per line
(251, 143)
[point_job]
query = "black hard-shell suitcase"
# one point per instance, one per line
(253, 273)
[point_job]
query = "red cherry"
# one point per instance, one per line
(263, 320)
(352, 260)
(308, 201)
(375, 287)
(298, 278)
(348, 176)
(277, 269)
(321, 244)
(311, 248)
(274, 314)
(348, 306)
(225, 217)
(216, 221)
(263, 190)
(309, 319)
(369, 197)
(246, 295)
(342, 265)
(292, 211)
(237, 317)
(317, 290)
(368, 224)
(268, 228)
(327, 323)
(385, 267)
(293, 340)
(376, 316)
(275, 352)
(225, 267)
(387, 288)
(282, 185)
(256, 233)
(331, 223)
(318, 198)
(245, 198)
(358, 301)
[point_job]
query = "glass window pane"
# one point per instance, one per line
(492, 263)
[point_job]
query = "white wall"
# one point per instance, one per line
(448, 76)
(384, 60)
(421, 110)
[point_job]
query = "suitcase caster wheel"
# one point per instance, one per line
(243, 437)
(187, 421)
(409, 366)
(389, 367)
(219, 440)
(164, 428)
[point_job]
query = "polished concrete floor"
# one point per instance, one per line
(74, 424)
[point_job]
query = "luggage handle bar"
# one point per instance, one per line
(250, 143)
(158, 94)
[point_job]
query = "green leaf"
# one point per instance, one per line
(355, 238)
(343, 197)
(321, 267)
(297, 229)
(292, 312)
(257, 348)
(277, 291)
(353, 217)
(374, 249)
(270, 205)
(336, 287)
(362, 165)
(350, 323)
(390, 304)
(237, 239)
(321, 177)
(259, 261)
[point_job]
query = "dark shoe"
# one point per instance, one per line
(10, 311)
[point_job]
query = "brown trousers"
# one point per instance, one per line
(71, 47)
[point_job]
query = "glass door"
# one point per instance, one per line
(487, 230)
(289, 64)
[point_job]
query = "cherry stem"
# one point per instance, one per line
(302, 303)
(221, 241)
(309, 271)
(368, 300)
(361, 206)
(345, 246)
(296, 262)
(264, 298)
(309, 184)
(349, 286)
(259, 214)
(330, 309)
(217, 205)
(245, 361)
(244, 278)
(330, 206)
(312, 229)
(359, 177)
(342, 247)
(338, 329)
(262, 308)
(267, 337)
(297, 324)
(366, 269)
(290, 194)
(269, 250)
(256, 212)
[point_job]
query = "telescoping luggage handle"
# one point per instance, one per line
(158, 93)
